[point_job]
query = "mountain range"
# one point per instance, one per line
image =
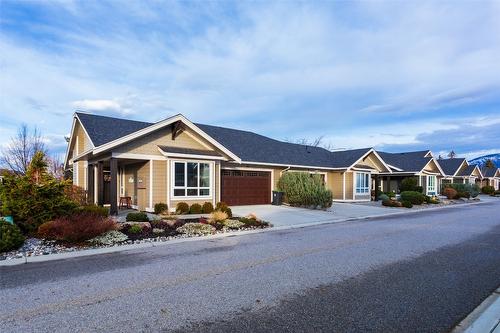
(481, 161)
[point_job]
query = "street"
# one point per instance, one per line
(418, 273)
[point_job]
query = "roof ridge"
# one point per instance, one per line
(80, 112)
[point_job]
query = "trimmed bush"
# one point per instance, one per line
(304, 189)
(76, 228)
(407, 204)
(181, 208)
(137, 217)
(161, 208)
(207, 208)
(390, 194)
(488, 189)
(392, 203)
(222, 206)
(449, 192)
(253, 221)
(11, 237)
(414, 197)
(195, 209)
(196, 229)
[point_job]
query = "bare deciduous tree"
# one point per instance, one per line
(56, 166)
(21, 149)
(452, 154)
(317, 142)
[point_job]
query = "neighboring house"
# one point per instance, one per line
(459, 171)
(176, 160)
(491, 177)
(419, 164)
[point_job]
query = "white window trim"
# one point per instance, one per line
(432, 189)
(191, 197)
(363, 190)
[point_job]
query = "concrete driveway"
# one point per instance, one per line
(287, 216)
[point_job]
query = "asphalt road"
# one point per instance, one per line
(421, 273)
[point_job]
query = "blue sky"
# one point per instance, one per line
(394, 75)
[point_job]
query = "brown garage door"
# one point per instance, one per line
(245, 187)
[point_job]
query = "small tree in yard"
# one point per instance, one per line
(303, 189)
(35, 197)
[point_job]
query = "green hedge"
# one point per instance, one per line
(10, 236)
(137, 217)
(416, 198)
(304, 189)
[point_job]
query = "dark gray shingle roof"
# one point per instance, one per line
(451, 165)
(488, 172)
(467, 171)
(413, 161)
(252, 147)
(103, 129)
(248, 146)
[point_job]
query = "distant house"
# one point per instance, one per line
(458, 170)
(2, 174)
(418, 164)
(491, 177)
(176, 160)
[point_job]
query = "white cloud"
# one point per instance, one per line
(97, 105)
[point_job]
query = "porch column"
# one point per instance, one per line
(113, 191)
(100, 183)
(90, 184)
(389, 185)
(377, 184)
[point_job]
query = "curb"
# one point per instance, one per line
(483, 319)
(120, 248)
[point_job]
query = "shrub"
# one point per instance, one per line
(76, 227)
(465, 195)
(109, 238)
(233, 224)
(182, 208)
(252, 221)
(207, 208)
(218, 216)
(449, 192)
(302, 189)
(488, 189)
(32, 204)
(196, 229)
(390, 194)
(410, 184)
(383, 197)
(407, 204)
(392, 203)
(222, 206)
(160, 224)
(103, 211)
(415, 198)
(135, 229)
(11, 237)
(464, 190)
(161, 208)
(76, 194)
(137, 217)
(195, 209)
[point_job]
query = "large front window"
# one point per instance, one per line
(431, 185)
(192, 179)
(362, 183)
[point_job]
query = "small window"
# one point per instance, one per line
(362, 183)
